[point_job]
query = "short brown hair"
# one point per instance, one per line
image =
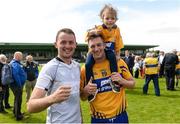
(110, 8)
(65, 30)
(93, 34)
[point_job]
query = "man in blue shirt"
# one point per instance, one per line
(19, 76)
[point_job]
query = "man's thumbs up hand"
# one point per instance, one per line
(91, 87)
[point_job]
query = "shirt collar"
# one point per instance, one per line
(59, 59)
(105, 27)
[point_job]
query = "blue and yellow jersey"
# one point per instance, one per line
(107, 104)
(178, 65)
(151, 65)
(112, 37)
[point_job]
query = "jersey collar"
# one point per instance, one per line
(105, 27)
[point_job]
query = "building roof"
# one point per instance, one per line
(4, 45)
(138, 47)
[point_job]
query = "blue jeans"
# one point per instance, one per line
(148, 78)
(121, 118)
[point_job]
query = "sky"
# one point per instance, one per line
(141, 22)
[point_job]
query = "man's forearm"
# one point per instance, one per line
(128, 83)
(38, 105)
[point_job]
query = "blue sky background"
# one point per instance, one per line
(146, 22)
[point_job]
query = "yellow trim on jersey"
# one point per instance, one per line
(178, 65)
(107, 104)
(151, 65)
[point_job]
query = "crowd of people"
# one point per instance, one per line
(22, 74)
(101, 81)
(154, 66)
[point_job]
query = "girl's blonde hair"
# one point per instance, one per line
(110, 8)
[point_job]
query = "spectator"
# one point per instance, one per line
(160, 59)
(151, 72)
(141, 66)
(19, 76)
(3, 60)
(31, 69)
(178, 69)
(129, 61)
(136, 66)
(5, 87)
(169, 63)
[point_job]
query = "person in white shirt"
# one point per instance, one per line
(60, 79)
(136, 67)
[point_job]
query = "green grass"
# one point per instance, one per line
(33, 118)
(141, 108)
(150, 108)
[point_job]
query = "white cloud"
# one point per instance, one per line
(34, 21)
(39, 20)
(144, 0)
(124, 9)
(160, 28)
(151, 0)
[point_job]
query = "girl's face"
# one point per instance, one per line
(108, 19)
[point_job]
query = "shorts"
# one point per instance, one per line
(121, 118)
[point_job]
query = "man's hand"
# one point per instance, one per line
(61, 94)
(116, 78)
(90, 88)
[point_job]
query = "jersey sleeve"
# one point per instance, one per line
(82, 82)
(82, 78)
(124, 69)
(44, 80)
(118, 41)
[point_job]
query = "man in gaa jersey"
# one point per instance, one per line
(107, 106)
